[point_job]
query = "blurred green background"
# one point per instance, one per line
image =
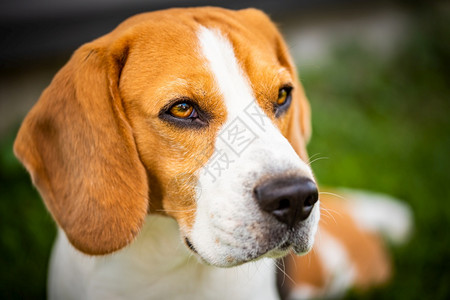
(383, 124)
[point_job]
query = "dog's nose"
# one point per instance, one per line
(290, 200)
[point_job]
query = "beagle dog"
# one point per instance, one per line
(171, 154)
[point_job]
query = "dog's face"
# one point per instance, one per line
(192, 113)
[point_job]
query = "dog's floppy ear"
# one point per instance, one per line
(299, 123)
(80, 151)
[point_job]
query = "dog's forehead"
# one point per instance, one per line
(167, 58)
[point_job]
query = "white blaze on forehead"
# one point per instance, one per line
(232, 82)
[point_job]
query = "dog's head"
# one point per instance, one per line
(192, 113)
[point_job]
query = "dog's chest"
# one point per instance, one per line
(155, 266)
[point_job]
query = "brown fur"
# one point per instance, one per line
(79, 149)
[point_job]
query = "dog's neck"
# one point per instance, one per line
(155, 266)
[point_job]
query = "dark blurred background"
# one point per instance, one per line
(377, 76)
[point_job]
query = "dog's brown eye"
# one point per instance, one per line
(283, 94)
(182, 110)
(284, 100)
(185, 113)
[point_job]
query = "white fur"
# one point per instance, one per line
(155, 266)
(230, 228)
(380, 213)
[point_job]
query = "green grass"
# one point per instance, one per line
(383, 125)
(26, 231)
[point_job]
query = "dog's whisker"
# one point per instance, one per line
(283, 271)
(333, 194)
(316, 159)
(330, 210)
(285, 275)
(312, 156)
(323, 220)
(313, 252)
(328, 213)
(293, 259)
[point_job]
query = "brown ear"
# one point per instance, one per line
(299, 126)
(79, 149)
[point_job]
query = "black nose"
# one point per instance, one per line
(290, 200)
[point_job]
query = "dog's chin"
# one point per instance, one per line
(237, 256)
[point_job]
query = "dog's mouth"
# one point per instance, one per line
(276, 243)
(188, 244)
(275, 253)
(298, 243)
(288, 246)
